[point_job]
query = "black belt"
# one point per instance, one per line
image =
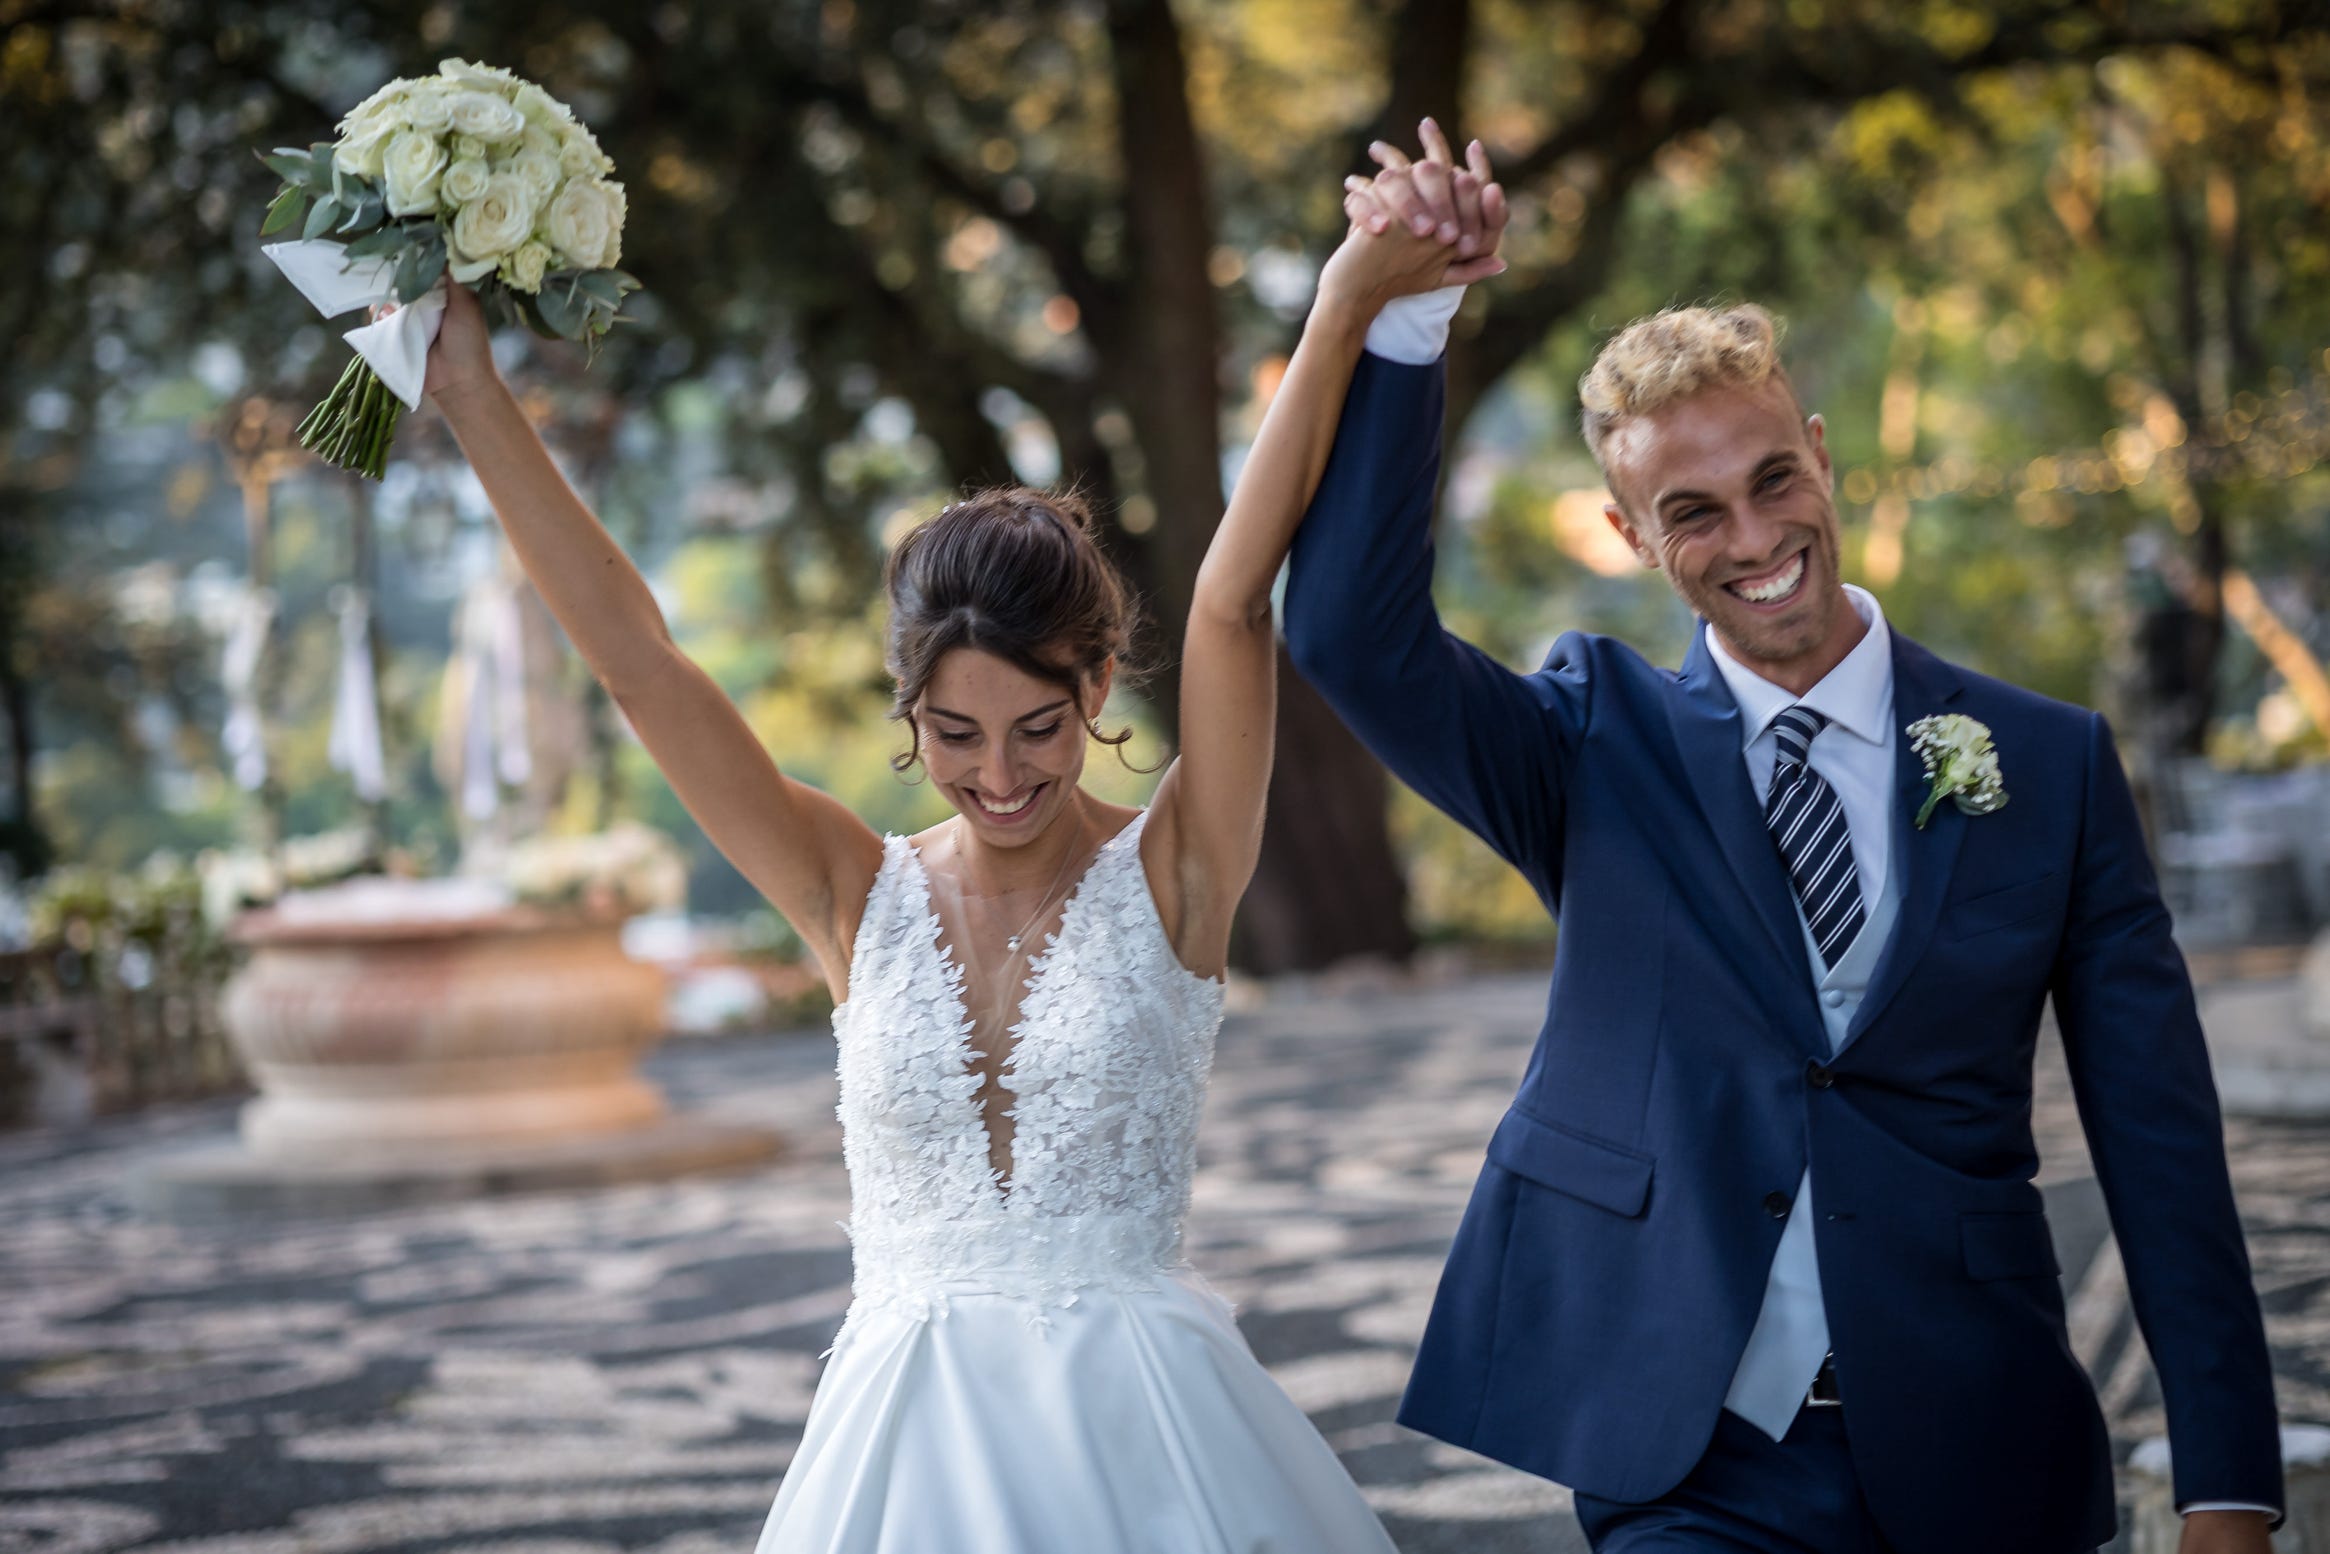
(1824, 1392)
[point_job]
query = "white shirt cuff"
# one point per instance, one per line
(1414, 329)
(2227, 1505)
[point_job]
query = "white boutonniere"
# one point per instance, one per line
(1961, 764)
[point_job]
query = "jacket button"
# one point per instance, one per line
(1777, 1205)
(1834, 998)
(1819, 1075)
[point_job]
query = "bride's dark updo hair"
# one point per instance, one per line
(1014, 572)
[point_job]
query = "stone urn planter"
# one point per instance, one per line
(428, 1041)
(395, 1017)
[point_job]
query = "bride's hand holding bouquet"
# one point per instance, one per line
(471, 177)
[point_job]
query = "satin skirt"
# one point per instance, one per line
(1129, 1422)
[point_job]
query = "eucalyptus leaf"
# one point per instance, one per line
(369, 210)
(431, 266)
(284, 210)
(381, 240)
(601, 285)
(321, 168)
(408, 267)
(560, 311)
(320, 220)
(529, 313)
(289, 165)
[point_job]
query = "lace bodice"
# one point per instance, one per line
(1107, 1072)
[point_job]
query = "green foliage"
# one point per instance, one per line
(897, 244)
(109, 931)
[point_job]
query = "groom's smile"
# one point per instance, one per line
(1775, 587)
(1727, 492)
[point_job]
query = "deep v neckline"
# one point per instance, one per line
(1002, 1179)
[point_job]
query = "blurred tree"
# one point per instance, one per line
(1042, 238)
(2127, 275)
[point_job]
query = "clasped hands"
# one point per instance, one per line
(1417, 225)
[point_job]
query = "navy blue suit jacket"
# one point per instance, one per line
(1612, 1261)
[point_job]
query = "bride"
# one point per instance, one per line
(1026, 993)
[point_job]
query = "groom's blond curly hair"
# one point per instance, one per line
(1672, 355)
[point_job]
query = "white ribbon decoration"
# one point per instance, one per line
(490, 666)
(397, 347)
(244, 739)
(514, 755)
(355, 744)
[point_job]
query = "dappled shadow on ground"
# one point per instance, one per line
(629, 1368)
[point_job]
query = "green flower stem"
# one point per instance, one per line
(1931, 799)
(355, 425)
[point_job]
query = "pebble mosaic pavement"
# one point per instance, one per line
(628, 1368)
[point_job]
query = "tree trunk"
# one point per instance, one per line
(1328, 886)
(268, 675)
(364, 579)
(22, 841)
(2204, 467)
(1428, 45)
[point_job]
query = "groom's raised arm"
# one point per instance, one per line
(1487, 745)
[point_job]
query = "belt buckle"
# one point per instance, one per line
(1823, 1392)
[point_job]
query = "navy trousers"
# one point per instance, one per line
(1750, 1494)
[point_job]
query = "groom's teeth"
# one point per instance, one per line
(1777, 588)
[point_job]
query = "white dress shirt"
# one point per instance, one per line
(1854, 752)
(1413, 330)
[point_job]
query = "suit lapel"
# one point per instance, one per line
(1923, 685)
(1707, 728)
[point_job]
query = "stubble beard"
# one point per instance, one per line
(1756, 638)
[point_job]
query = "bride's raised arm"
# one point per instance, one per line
(1211, 803)
(807, 853)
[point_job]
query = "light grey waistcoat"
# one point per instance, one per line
(1791, 1332)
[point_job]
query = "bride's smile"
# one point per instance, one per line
(1005, 747)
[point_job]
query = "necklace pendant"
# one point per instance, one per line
(1011, 943)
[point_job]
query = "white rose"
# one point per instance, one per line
(466, 270)
(490, 77)
(525, 268)
(541, 108)
(463, 182)
(359, 154)
(537, 138)
(498, 220)
(384, 105)
(428, 107)
(540, 171)
(585, 223)
(410, 169)
(581, 157)
(484, 115)
(470, 148)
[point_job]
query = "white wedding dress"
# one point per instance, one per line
(1029, 1365)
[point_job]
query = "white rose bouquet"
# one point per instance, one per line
(472, 173)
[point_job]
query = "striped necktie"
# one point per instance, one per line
(1808, 823)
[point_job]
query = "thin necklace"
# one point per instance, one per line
(1066, 857)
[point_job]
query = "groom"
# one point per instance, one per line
(1757, 1262)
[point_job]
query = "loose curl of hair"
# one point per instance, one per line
(1015, 572)
(1672, 355)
